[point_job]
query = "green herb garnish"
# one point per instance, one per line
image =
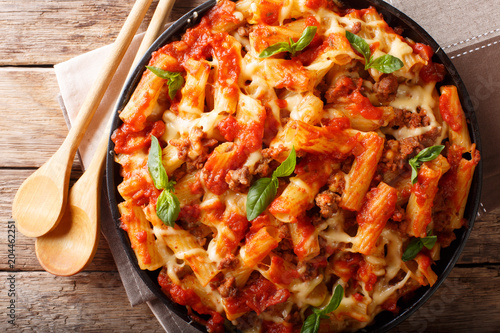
(416, 245)
(175, 79)
(263, 191)
(311, 324)
(167, 205)
(426, 155)
(385, 64)
(292, 47)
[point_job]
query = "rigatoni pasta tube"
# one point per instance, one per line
(141, 236)
(419, 209)
(376, 210)
(360, 176)
(453, 114)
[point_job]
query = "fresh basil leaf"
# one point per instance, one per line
(429, 153)
(311, 324)
(274, 49)
(414, 171)
(359, 44)
(175, 79)
(260, 195)
(386, 64)
(292, 47)
(413, 249)
(425, 155)
(175, 84)
(168, 207)
(304, 40)
(288, 166)
(155, 165)
(429, 241)
(334, 303)
(170, 186)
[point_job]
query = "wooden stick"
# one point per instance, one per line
(162, 11)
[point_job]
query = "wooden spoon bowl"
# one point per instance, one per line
(40, 201)
(71, 246)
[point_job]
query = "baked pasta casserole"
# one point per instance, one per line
(292, 165)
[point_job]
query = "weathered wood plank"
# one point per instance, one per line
(94, 301)
(82, 303)
(466, 302)
(44, 32)
(26, 259)
(482, 246)
(32, 126)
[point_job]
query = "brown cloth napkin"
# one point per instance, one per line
(467, 30)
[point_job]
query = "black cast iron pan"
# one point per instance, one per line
(449, 256)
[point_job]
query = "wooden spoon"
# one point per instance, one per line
(68, 248)
(40, 201)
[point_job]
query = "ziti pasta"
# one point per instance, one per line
(290, 165)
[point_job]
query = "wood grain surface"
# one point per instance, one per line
(37, 34)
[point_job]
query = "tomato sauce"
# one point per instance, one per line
(272, 327)
(293, 75)
(339, 124)
(222, 14)
(190, 298)
(374, 46)
(446, 108)
(366, 275)
(127, 141)
(257, 296)
(347, 266)
(146, 191)
(391, 305)
(316, 4)
(190, 213)
(196, 187)
(424, 262)
(358, 297)
(228, 128)
(432, 72)
(269, 13)
(306, 230)
(250, 136)
(216, 172)
(362, 105)
(239, 226)
(422, 189)
(423, 50)
(143, 253)
(141, 236)
(280, 274)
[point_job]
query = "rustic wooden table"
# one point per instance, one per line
(36, 34)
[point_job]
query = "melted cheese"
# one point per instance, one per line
(411, 98)
(260, 88)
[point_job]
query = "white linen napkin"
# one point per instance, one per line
(474, 49)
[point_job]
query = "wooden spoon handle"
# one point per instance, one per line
(93, 171)
(100, 85)
(161, 13)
